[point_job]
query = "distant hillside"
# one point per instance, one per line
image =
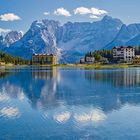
(126, 36)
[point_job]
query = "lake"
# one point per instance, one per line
(42, 103)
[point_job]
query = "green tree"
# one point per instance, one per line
(97, 57)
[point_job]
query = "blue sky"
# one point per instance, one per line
(19, 14)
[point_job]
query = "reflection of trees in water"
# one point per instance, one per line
(4, 74)
(126, 77)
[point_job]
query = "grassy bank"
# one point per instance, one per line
(98, 66)
(10, 66)
(85, 66)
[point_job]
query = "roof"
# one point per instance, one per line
(123, 47)
(129, 47)
(43, 54)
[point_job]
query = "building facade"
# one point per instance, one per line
(43, 59)
(136, 60)
(124, 54)
(87, 60)
(104, 60)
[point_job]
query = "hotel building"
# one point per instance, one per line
(124, 54)
(43, 59)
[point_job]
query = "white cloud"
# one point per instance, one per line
(94, 16)
(3, 97)
(97, 116)
(9, 112)
(82, 11)
(94, 116)
(96, 11)
(62, 117)
(46, 13)
(4, 30)
(9, 17)
(82, 117)
(62, 12)
(92, 12)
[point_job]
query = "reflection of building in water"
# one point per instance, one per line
(45, 85)
(129, 78)
(126, 77)
(44, 74)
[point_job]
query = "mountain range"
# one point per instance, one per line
(70, 41)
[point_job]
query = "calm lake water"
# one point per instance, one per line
(69, 104)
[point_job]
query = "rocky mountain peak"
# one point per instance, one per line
(12, 37)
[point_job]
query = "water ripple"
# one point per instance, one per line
(10, 112)
(62, 117)
(93, 116)
(3, 97)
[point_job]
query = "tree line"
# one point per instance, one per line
(97, 54)
(4, 57)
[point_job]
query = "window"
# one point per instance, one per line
(48, 59)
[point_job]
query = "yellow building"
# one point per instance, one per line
(2, 63)
(43, 59)
(136, 59)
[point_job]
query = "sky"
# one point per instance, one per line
(19, 14)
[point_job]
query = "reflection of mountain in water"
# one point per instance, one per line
(38, 87)
(51, 87)
(118, 78)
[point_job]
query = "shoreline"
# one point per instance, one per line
(87, 66)
(97, 66)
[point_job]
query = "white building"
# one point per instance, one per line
(124, 53)
(87, 60)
